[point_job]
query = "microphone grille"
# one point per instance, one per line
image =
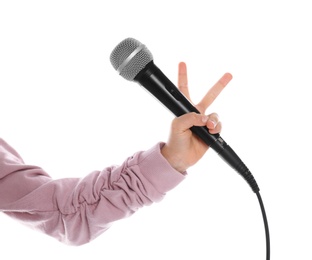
(129, 57)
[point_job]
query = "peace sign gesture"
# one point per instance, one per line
(184, 148)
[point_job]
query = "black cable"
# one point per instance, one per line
(266, 226)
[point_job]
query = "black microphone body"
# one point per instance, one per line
(152, 79)
(134, 62)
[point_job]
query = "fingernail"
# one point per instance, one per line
(213, 123)
(204, 119)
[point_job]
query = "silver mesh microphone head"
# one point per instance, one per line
(129, 57)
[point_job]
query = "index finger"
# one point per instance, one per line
(182, 80)
(214, 92)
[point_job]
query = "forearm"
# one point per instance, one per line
(76, 211)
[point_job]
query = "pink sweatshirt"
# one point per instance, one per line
(77, 210)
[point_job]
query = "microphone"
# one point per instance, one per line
(134, 62)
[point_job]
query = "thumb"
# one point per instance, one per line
(185, 122)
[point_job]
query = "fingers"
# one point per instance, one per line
(214, 92)
(182, 80)
(192, 119)
(211, 95)
(213, 124)
(185, 122)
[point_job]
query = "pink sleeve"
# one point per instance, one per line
(77, 210)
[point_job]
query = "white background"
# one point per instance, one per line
(63, 107)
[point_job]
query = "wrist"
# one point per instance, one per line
(173, 159)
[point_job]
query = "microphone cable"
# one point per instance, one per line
(266, 226)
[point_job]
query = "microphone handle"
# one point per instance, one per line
(152, 79)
